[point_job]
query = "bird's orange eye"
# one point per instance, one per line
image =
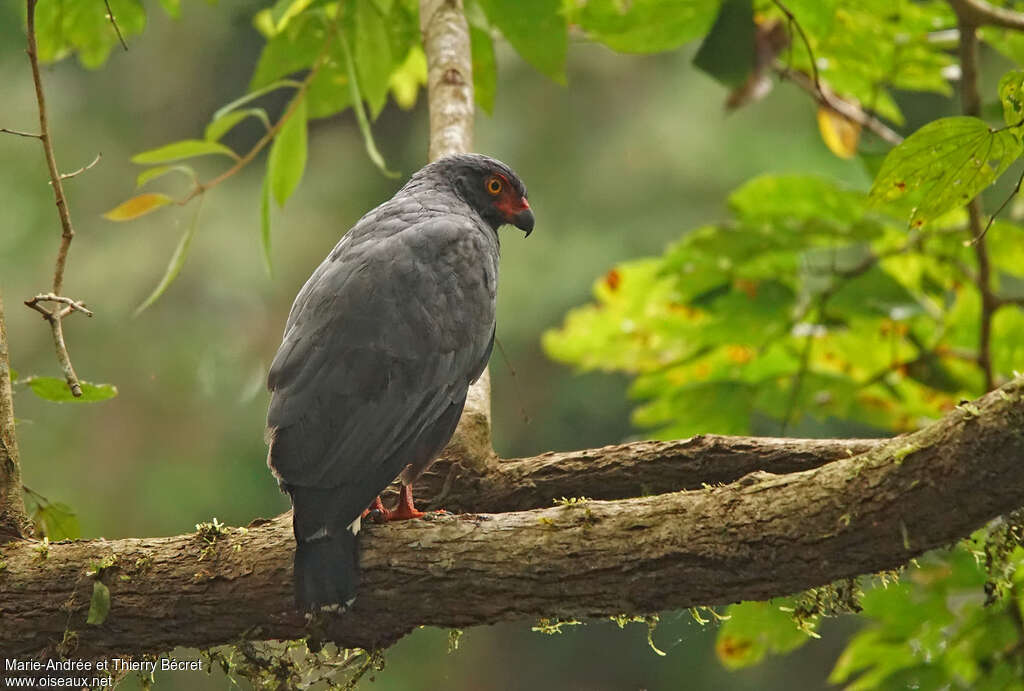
(494, 186)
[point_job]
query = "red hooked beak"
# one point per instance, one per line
(522, 218)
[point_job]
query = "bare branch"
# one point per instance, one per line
(981, 13)
(19, 133)
(67, 231)
(65, 176)
(970, 94)
(113, 21)
(72, 305)
(826, 97)
(992, 218)
(762, 536)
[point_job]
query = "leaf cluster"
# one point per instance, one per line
(806, 302)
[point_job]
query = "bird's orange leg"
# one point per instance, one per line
(406, 509)
(376, 511)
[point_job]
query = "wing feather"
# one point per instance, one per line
(381, 342)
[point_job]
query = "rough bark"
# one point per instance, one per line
(625, 470)
(13, 520)
(761, 536)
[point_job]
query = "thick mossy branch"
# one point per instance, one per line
(622, 471)
(761, 536)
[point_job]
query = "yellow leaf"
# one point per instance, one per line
(839, 133)
(137, 206)
(406, 80)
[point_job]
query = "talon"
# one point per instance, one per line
(376, 512)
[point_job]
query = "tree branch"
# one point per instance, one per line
(762, 536)
(445, 36)
(826, 97)
(626, 470)
(980, 13)
(14, 521)
(67, 231)
(970, 95)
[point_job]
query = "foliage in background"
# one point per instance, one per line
(813, 300)
(844, 306)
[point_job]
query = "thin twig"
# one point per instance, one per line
(992, 218)
(970, 95)
(824, 96)
(515, 380)
(65, 176)
(113, 21)
(803, 37)
(72, 305)
(300, 93)
(798, 380)
(67, 230)
(1001, 301)
(19, 133)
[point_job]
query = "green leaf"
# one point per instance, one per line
(727, 52)
(223, 124)
(252, 95)
(803, 197)
(265, 223)
(372, 55)
(536, 29)
(53, 389)
(817, 17)
(1011, 93)
(177, 261)
(284, 11)
(99, 606)
(946, 163)
(187, 148)
(288, 154)
(754, 629)
(153, 173)
(58, 521)
(82, 27)
(137, 206)
(485, 68)
(725, 407)
(172, 8)
(644, 26)
(290, 51)
(364, 123)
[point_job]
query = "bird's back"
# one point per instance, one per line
(381, 343)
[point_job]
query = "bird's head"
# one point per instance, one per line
(491, 188)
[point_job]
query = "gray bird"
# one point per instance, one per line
(380, 348)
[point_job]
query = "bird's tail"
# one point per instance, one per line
(326, 548)
(327, 570)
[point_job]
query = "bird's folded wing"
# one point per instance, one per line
(380, 343)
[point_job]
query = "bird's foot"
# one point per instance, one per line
(406, 509)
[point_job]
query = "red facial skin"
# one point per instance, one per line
(507, 201)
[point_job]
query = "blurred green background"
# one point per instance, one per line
(632, 153)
